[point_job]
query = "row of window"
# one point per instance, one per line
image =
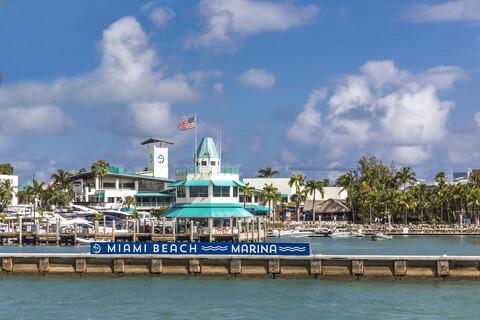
(204, 163)
(202, 192)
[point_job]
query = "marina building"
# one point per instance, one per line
(150, 188)
(207, 200)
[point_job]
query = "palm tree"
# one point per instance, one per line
(247, 192)
(99, 169)
(267, 172)
(298, 181)
(269, 194)
(441, 179)
(6, 193)
(61, 178)
(312, 186)
(403, 177)
(129, 201)
(347, 182)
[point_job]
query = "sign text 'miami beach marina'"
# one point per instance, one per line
(203, 248)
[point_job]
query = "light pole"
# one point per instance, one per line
(34, 197)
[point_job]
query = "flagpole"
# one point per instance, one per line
(195, 120)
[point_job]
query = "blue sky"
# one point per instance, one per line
(287, 83)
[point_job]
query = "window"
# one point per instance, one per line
(212, 163)
(221, 191)
(256, 198)
(150, 186)
(181, 192)
(201, 192)
(204, 163)
(235, 192)
(128, 185)
(109, 185)
(240, 199)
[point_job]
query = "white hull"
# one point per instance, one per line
(82, 241)
(344, 234)
(381, 237)
(295, 234)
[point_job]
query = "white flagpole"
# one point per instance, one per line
(195, 165)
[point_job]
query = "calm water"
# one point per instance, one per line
(199, 298)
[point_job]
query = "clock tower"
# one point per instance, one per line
(158, 157)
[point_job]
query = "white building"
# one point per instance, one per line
(149, 188)
(14, 183)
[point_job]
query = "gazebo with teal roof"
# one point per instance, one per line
(207, 200)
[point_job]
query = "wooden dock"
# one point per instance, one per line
(345, 267)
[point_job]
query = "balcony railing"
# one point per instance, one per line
(154, 204)
(187, 170)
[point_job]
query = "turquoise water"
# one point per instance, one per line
(194, 298)
(230, 298)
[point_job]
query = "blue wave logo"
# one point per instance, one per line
(214, 248)
(292, 249)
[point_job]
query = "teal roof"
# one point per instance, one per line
(224, 183)
(25, 184)
(254, 207)
(207, 149)
(177, 183)
(154, 194)
(197, 183)
(207, 210)
(240, 184)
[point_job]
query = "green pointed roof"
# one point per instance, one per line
(207, 149)
(25, 184)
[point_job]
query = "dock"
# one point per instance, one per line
(335, 267)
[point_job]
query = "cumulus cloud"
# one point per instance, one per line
(257, 79)
(308, 123)
(226, 20)
(129, 72)
(161, 16)
(38, 120)
(477, 118)
(382, 110)
(447, 11)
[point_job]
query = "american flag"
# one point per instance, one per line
(187, 123)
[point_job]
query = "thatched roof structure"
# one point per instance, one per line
(327, 206)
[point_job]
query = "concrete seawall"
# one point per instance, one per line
(314, 266)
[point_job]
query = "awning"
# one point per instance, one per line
(240, 184)
(207, 210)
(284, 195)
(256, 208)
(154, 194)
(95, 196)
(197, 183)
(224, 183)
(176, 183)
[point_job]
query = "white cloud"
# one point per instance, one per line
(447, 11)
(38, 120)
(477, 118)
(257, 79)
(161, 16)
(219, 87)
(129, 72)
(383, 110)
(306, 128)
(228, 19)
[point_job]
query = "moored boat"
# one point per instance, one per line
(379, 236)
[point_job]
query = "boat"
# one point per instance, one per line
(341, 234)
(379, 236)
(293, 233)
(83, 241)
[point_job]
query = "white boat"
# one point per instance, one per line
(379, 236)
(341, 234)
(294, 233)
(83, 241)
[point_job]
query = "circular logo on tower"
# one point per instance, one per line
(96, 248)
(161, 159)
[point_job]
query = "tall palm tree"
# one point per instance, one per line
(269, 194)
(247, 192)
(61, 178)
(297, 180)
(267, 172)
(99, 169)
(312, 187)
(347, 182)
(404, 176)
(6, 193)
